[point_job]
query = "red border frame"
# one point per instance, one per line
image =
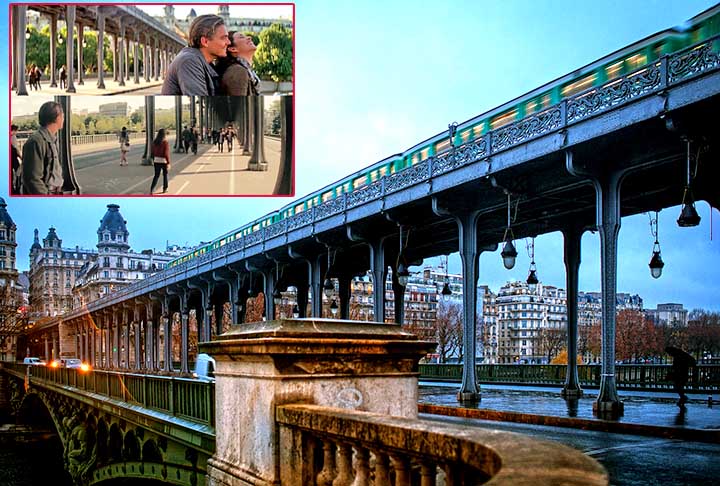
(10, 93)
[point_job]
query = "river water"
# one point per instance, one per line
(31, 460)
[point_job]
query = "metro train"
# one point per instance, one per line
(624, 61)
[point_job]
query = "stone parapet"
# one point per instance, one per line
(344, 364)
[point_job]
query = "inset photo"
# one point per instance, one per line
(151, 146)
(152, 49)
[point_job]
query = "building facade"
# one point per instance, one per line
(241, 24)
(63, 278)
(10, 290)
(668, 315)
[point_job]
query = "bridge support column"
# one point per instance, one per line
(136, 321)
(81, 62)
(316, 284)
(128, 326)
(399, 293)
(53, 50)
(70, 47)
(178, 125)
(47, 350)
(344, 281)
(268, 289)
(184, 316)
(120, 39)
(252, 363)
(101, 50)
(149, 344)
(572, 238)
(470, 255)
(168, 335)
(378, 268)
(20, 19)
(257, 159)
(302, 298)
(607, 184)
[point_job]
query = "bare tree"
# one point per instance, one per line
(448, 330)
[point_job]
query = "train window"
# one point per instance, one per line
(614, 70)
(424, 153)
(299, 209)
(545, 101)
(465, 135)
(636, 61)
(256, 227)
(359, 182)
(442, 146)
(531, 107)
(504, 119)
(478, 130)
(327, 196)
(579, 85)
(338, 190)
(383, 171)
(373, 176)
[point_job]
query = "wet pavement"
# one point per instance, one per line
(643, 408)
(652, 444)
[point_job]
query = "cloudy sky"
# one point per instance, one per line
(374, 78)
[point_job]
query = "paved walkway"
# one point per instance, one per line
(654, 409)
(207, 173)
(90, 88)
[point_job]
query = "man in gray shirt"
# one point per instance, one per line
(42, 168)
(190, 73)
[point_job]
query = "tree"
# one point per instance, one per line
(703, 333)
(636, 336)
(551, 341)
(562, 358)
(274, 56)
(449, 330)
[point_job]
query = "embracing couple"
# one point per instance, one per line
(216, 62)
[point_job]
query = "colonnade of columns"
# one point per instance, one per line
(155, 55)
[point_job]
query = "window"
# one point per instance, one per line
(107, 237)
(106, 261)
(106, 274)
(2, 234)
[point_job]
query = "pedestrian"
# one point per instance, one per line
(38, 76)
(191, 73)
(16, 160)
(124, 139)
(194, 140)
(42, 172)
(186, 139)
(229, 135)
(63, 77)
(237, 77)
(161, 160)
(221, 140)
(678, 374)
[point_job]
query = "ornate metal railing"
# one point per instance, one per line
(180, 397)
(326, 446)
(701, 378)
(651, 79)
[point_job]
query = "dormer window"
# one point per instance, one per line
(107, 237)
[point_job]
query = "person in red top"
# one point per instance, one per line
(161, 159)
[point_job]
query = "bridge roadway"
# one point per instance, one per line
(207, 173)
(608, 152)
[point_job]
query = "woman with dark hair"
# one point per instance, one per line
(161, 160)
(236, 75)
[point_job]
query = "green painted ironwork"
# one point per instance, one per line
(702, 378)
(181, 397)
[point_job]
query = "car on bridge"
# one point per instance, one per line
(34, 361)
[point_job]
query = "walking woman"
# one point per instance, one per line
(124, 138)
(161, 160)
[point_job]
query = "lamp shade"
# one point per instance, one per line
(508, 253)
(656, 264)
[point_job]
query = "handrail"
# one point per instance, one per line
(180, 397)
(701, 378)
(322, 445)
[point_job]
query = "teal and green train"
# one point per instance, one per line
(616, 65)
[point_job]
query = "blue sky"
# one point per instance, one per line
(374, 78)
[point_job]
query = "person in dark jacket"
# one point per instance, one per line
(191, 73)
(42, 170)
(235, 69)
(186, 138)
(161, 160)
(16, 160)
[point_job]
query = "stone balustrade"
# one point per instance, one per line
(335, 447)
